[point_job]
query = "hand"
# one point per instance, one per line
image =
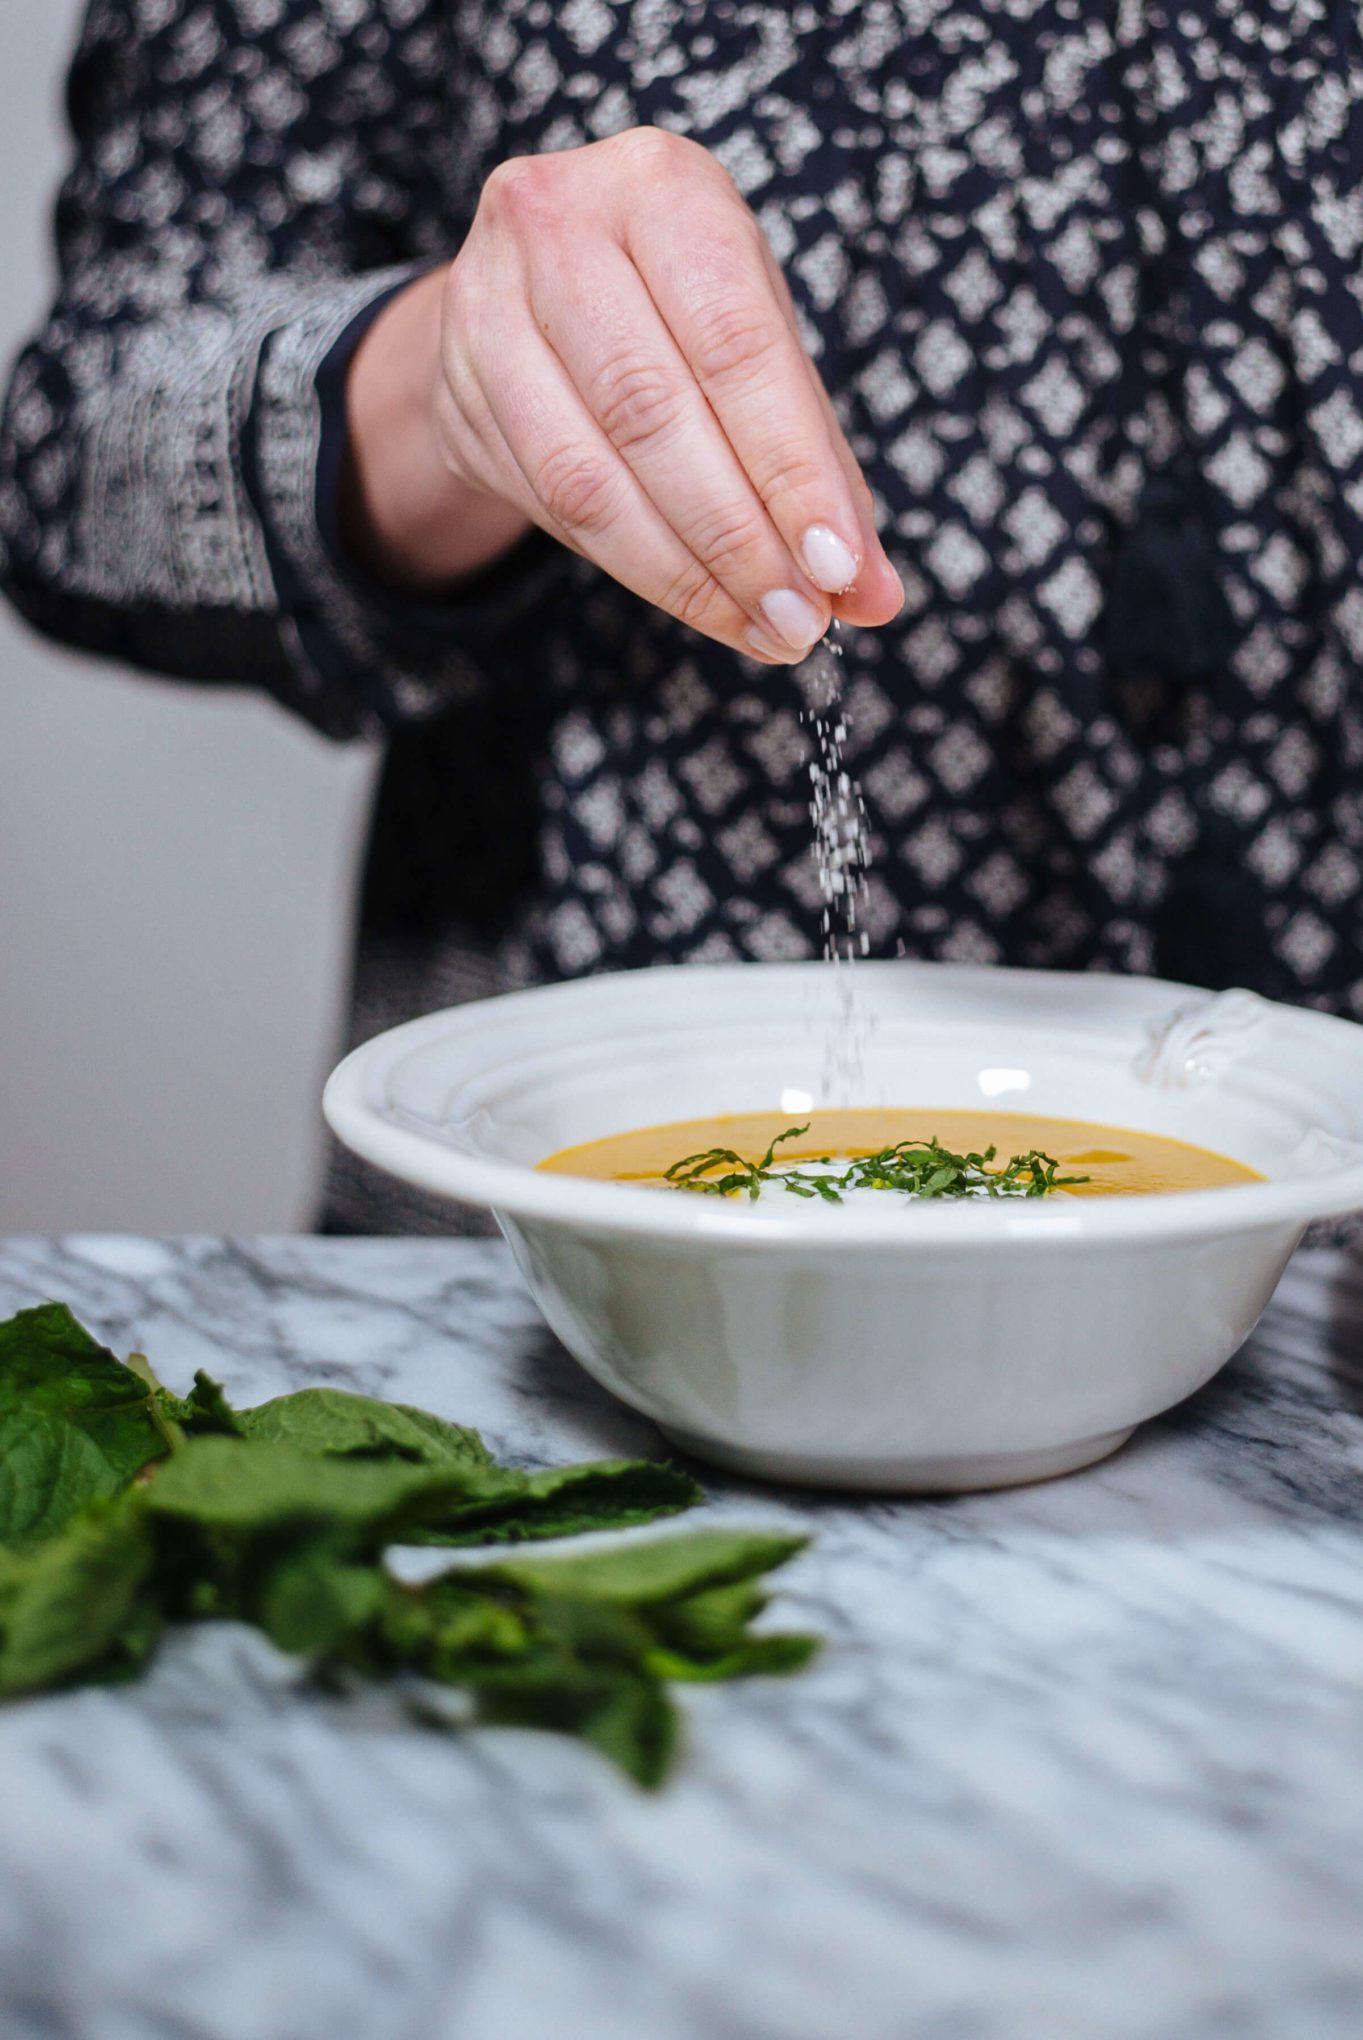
(619, 363)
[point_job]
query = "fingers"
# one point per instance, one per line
(877, 594)
(633, 379)
(716, 294)
(623, 364)
(535, 443)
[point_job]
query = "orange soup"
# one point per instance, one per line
(1116, 1161)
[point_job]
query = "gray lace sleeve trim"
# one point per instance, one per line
(366, 655)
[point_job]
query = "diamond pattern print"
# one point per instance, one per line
(1040, 253)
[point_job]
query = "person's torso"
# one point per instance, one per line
(1041, 254)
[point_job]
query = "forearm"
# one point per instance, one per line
(169, 460)
(403, 515)
(152, 544)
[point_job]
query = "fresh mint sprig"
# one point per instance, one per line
(126, 1511)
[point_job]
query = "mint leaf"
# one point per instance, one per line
(49, 1470)
(659, 1570)
(568, 1666)
(77, 1606)
(630, 1720)
(565, 1501)
(705, 1636)
(317, 1600)
(241, 1485)
(335, 1422)
(559, 1502)
(75, 1423)
(124, 1507)
(49, 1362)
(206, 1409)
(691, 1599)
(584, 1645)
(443, 1637)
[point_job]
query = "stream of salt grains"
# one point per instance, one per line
(842, 855)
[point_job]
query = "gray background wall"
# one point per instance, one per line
(177, 869)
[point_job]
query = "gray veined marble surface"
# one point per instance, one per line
(1080, 1760)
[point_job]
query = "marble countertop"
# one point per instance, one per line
(1079, 1760)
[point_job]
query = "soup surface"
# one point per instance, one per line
(1116, 1161)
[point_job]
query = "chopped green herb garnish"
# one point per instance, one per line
(916, 1168)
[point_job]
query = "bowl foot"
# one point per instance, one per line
(909, 1474)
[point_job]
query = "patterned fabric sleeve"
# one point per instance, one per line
(250, 177)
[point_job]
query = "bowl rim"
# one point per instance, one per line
(521, 1192)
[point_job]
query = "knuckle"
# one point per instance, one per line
(577, 488)
(733, 339)
(695, 598)
(656, 151)
(519, 190)
(789, 468)
(731, 541)
(635, 401)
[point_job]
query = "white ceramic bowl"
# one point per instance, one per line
(937, 1346)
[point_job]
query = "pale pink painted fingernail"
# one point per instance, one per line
(829, 563)
(762, 641)
(794, 620)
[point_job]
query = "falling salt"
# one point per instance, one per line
(842, 856)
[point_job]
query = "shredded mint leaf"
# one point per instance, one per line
(916, 1168)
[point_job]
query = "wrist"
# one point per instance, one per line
(403, 515)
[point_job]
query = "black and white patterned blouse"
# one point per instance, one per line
(1086, 285)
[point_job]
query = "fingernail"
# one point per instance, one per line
(763, 642)
(793, 619)
(829, 563)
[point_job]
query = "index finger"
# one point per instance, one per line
(883, 584)
(712, 289)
